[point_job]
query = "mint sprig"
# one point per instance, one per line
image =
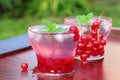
(84, 18)
(80, 19)
(51, 27)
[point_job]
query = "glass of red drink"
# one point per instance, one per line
(54, 51)
(104, 31)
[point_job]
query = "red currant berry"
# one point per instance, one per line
(76, 37)
(93, 39)
(89, 46)
(88, 52)
(78, 51)
(80, 45)
(95, 51)
(84, 63)
(76, 32)
(100, 47)
(24, 66)
(96, 43)
(95, 25)
(94, 33)
(103, 42)
(85, 39)
(73, 29)
(83, 56)
(101, 36)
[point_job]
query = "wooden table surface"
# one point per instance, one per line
(107, 69)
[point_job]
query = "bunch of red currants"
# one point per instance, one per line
(88, 45)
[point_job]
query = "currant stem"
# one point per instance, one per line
(98, 35)
(81, 30)
(101, 14)
(98, 32)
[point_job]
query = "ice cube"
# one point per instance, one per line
(59, 37)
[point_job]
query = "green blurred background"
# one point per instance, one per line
(17, 15)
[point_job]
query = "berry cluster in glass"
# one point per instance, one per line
(88, 45)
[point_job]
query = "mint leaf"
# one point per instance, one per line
(89, 16)
(51, 27)
(59, 29)
(44, 30)
(84, 18)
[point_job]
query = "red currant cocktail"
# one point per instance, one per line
(91, 37)
(55, 51)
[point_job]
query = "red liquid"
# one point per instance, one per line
(55, 65)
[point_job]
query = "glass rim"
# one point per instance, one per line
(48, 33)
(72, 18)
(104, 17)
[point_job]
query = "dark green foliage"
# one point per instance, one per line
(56, 8)
(43, 8)
(12, 8)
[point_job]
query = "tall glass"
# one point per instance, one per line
(54, 51)
(105, 29)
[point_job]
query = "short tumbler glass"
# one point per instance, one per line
(105, 29)
(54, 51)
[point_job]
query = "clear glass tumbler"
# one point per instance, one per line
(105, 29)
(54, 51)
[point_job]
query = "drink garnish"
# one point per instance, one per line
(83, 19)
(51, 27)
(88, 45)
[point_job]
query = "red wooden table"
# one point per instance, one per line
(107, 69)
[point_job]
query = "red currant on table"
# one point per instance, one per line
(84, 63)
(24, 66)
(84, 56)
